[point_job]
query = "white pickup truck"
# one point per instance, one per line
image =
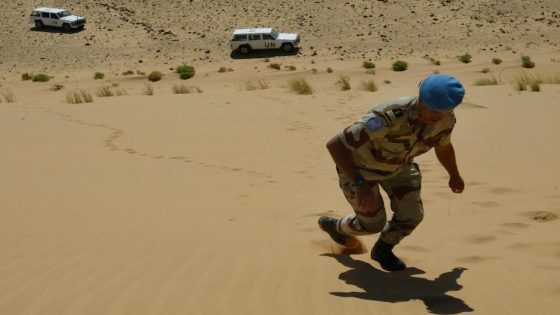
(56, 18)
(248, 39)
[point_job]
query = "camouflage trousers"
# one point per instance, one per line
(403, 190)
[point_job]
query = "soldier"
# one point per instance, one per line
(378, 150)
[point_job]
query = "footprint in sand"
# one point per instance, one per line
(515, 225)
(540, 216)
(414, 248)
(503, 190)
(491, 204)
(482, 239)
(475, 259)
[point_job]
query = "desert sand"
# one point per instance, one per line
(207, 203)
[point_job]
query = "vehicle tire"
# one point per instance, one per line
(244, 50)
(38, 25)
(287, 47)
(66, 28)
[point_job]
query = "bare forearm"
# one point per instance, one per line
(446, 156)
(342, 157)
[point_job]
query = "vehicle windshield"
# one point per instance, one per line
(274, 33)
(64, 13)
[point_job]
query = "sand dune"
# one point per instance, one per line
(206, 203)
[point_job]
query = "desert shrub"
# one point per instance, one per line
(400, 65)
(185, 71)
(183, 89)
(435, 62)
(314, 71)
(251, 85)
(344, 82)
(482, 82)
(369, 85)
(300, 86)
(148, 89)
(370, 71)
(274, 65)
(104, 91)
(115, 84)
(142, 73)
(291, 67)
(128, 72)
(527, 62)
(155, 76)
(485, 70)
(40, 77)
(465, 58)
(26, 76)
(329, 70)
(57, 87)
(266, 59)
(496, 61)
(387, 81)
(224, 69)
(98, 75)
(368, 64)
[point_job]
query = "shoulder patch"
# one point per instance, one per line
(375, 123)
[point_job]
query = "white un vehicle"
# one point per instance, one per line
(56, 18)
(247, 39)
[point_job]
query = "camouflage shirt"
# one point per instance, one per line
(386, 139)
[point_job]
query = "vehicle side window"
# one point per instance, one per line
(255, 37)
(54, 16)
(268, 37)
(44, 14)
(35, 13)
(239, 37)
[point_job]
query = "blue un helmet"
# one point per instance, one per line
(441, 92)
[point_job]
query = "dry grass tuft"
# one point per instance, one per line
(369, 85)
(9, 96)
(78, 97)
(148, 89)
(300, 86)
(344, 83)
(184, 89)
(523, 80)
(483, 82)
(105, 91)
(57, 87)
(254, 84)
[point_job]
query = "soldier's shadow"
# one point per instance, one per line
(402, 286)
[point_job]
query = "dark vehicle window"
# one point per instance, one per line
(255, 37)
(54, 16)
(239, 37)
(44, 14)
(267, 37)
(35, 13)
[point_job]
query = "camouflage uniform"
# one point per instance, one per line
(383, 144)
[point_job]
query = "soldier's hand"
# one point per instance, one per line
(366, 199)
(456, 184)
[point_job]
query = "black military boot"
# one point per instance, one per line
(328, 224)
(382, 252)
